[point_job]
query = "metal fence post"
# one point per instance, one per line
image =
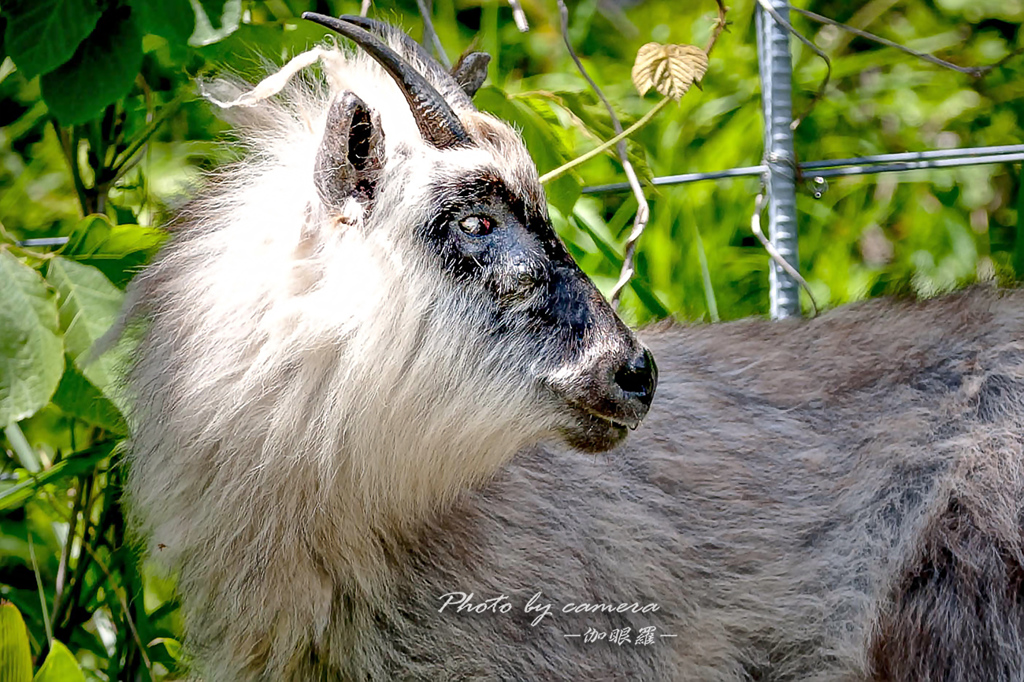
(776, 70)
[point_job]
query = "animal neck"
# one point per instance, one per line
(355, 514)
(364, 467)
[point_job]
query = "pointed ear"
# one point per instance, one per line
(351, 156)
(470, 71)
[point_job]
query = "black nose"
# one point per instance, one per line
(638, 378)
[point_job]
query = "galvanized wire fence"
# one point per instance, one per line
(779, 169)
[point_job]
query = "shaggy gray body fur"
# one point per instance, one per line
(838, 499)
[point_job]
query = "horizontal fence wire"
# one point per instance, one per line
(44, 241)
(951, 153)
(681, 179)
(863, 165)
(919, 165)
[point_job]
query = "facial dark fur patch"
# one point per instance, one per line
(532, 281)
(480, 193)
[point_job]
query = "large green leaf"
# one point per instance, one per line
(43, 34)
(171, 19)
(89, 305)
(118, 251)
(60, 666)
(77, 397)
(89, 235)
(15, 658)
(31, 352)
(101, 71)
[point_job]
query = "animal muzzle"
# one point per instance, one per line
(615, 386)
(628, 389)
(606, 376)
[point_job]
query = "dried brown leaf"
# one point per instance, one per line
(669, 69)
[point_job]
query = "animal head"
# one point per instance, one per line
(376, 291)
(484, 227)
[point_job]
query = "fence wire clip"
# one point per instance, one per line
(817, 186)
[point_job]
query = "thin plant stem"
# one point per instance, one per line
(71, 156)
(39, 588)
(644, 120)
(65, 555)
(755, 227)
(720, 26)
(519, 16)
(430, 37)
(65, 606)
(643, 211)
(120, 594)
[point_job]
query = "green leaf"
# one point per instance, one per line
(563, 192)
(31, 352)
(118, 251)
(60, 666)
(15, 658)
(174, 20)
(89, 305)
(43, 34)
(214, 10)
(75, 465)
(171, 646)
(95, 238)
(125, 240)
(585, 107)
(101, 72)
(89, 235)
(78, 398)
(643, 292)
(215, 20)
(546, 135)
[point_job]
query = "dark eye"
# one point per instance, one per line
(476, 225)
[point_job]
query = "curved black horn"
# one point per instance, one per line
(434, 117)
(383, 30)
(468, 74)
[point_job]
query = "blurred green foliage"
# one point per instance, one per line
(103, 135)
(60, 664)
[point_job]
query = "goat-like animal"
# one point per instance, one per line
(369, 389)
